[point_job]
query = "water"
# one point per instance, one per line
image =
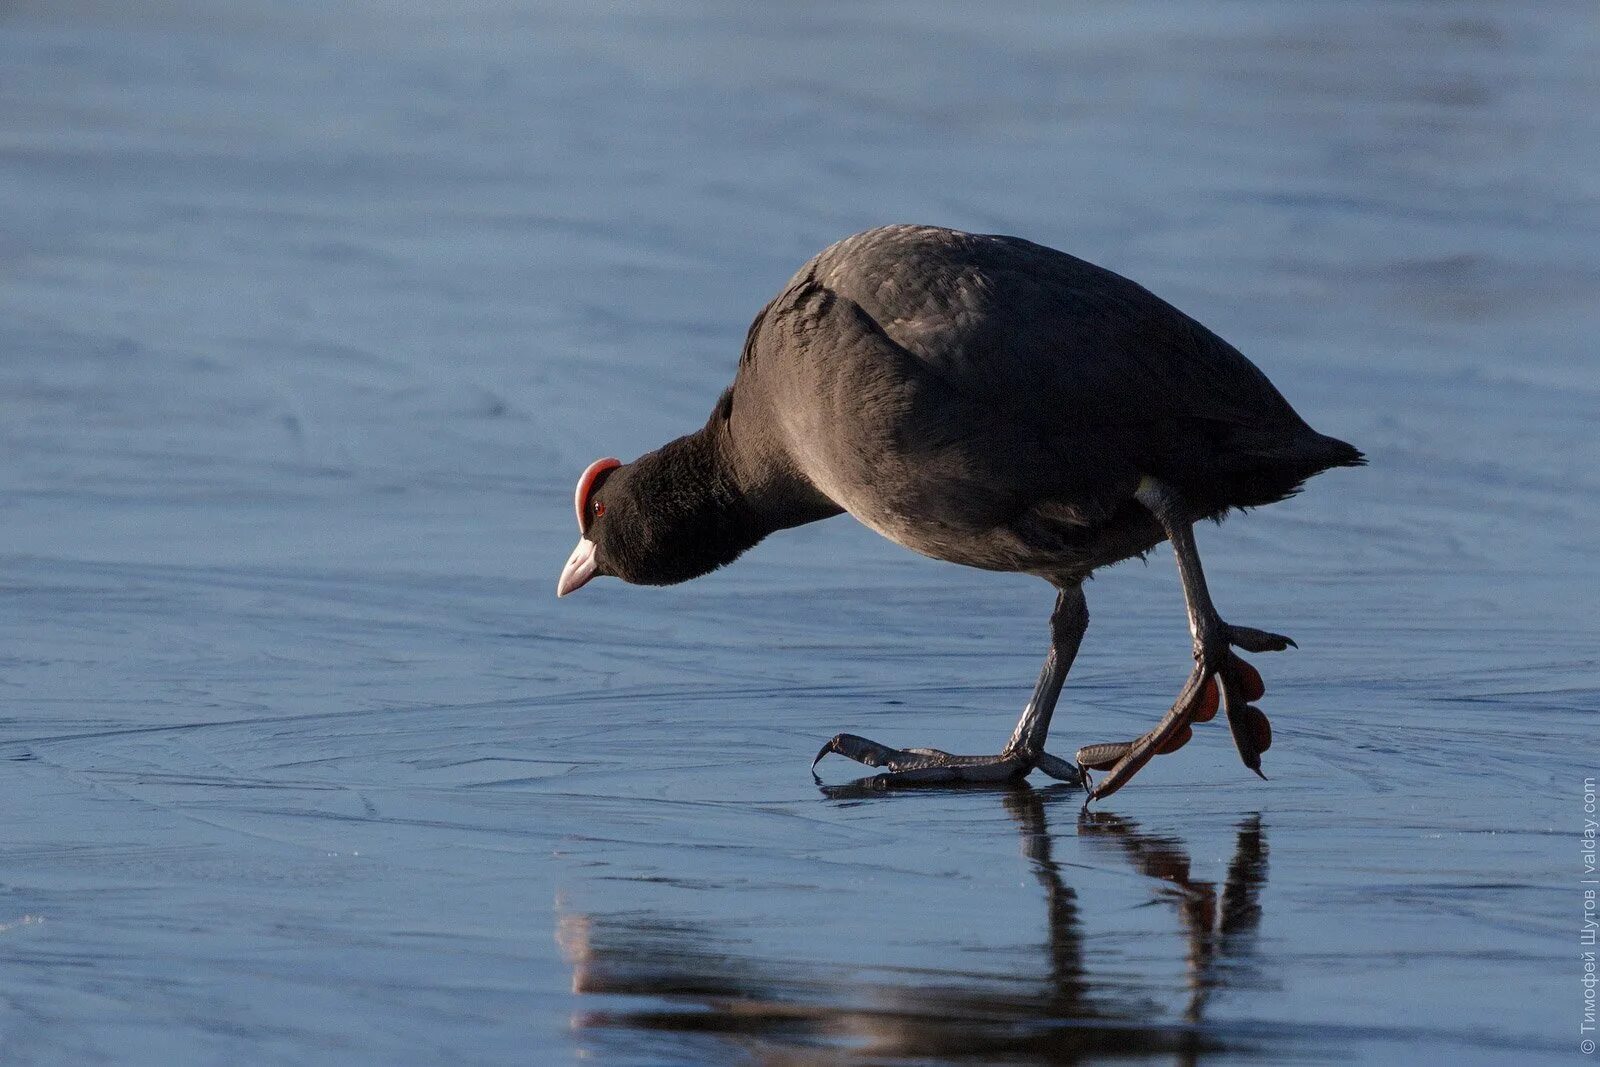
(310, 315)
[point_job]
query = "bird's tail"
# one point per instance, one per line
(1256, 477)
(1329, 452)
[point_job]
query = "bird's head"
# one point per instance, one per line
(592, 508)
(664, 518)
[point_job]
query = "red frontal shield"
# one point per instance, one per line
(580, 498)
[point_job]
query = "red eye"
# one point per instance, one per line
(580, 499)
(599, 509)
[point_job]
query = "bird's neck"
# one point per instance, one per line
(691, 476)
(696, 503)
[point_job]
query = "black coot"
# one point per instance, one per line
(987, 401)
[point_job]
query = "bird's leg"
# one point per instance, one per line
(1024, 752)
(1218, 672)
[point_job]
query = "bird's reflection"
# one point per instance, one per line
(718, 1002)
(1219, 934)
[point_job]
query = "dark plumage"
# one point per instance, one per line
(980, 399)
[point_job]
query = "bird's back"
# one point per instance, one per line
(1046, 335)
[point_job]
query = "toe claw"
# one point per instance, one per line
(1252, 640)
(857, 748)
(831, 745)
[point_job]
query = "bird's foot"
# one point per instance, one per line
(1219, 677)
(911, 766)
